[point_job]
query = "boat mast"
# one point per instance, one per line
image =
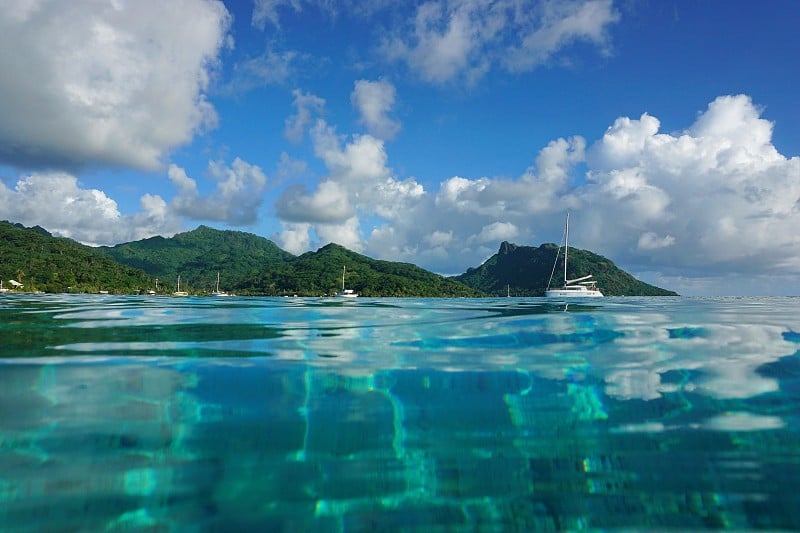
(566, 247)
(344, 269)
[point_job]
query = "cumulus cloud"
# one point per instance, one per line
(348, 234)
(450, 39)
(719, 191)
(57, 202)
(329, 203)
(295, 238)
(651, 241)
(308, 106)
(496, 232)
(374, 101)
(358, 184)
(235, 200)
(105, 82)
(711, 200)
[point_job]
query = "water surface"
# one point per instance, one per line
(432, 414)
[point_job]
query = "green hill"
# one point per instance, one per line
(198, 256)
(320, 272)
(41, 262)
(525, 271)
(249, 264)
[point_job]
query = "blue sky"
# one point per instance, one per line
(426, 132)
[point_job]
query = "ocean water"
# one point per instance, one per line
(288, 414)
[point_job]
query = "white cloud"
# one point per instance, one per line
(439, 238)
(359, 184)
(391, 199)
(105, 82)
(496, 232)
(347, 233)
(235, 200)
(288, 167)
(450, 39)
(561, 24)
(269, 68)
(443, 43)
(328, 204)
(708, 204)
(374, 101)
(624, 142)
(651, 241)
(267, 11)
(359, 162)
(57, 202)
(294, 237)
(308, 105)
(720, 190)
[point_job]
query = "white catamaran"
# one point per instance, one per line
(572, 288)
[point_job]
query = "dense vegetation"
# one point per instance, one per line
(526, 270)
(320, 272)
(198, 256)
(45, 263)
(249, 264)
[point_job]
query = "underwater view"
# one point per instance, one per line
(293, 414)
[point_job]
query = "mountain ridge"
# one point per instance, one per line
(40, 261)
(528, 270)
(252, 265)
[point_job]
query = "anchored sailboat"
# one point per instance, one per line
(572, 288)
(346, 293)
(178, 291)
(216, 291)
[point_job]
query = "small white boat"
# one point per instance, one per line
(346, 293)
(572, 288)
(178, 291)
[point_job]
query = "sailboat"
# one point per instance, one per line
(572, 288)
(178, 291)
(346, 293)
(216, 291)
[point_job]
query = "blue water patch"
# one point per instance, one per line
(792, 336)
(686, 333)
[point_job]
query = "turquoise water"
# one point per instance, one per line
(129, 413)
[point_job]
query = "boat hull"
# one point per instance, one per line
(571, 293)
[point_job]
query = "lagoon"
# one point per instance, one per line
(506, 414)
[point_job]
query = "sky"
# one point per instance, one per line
(417, 131)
